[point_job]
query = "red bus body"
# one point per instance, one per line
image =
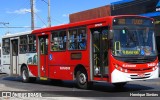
(65, 64)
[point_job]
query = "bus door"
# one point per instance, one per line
(43, 56)
(14, 56)
(100, 52)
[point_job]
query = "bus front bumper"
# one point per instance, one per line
(118, 76)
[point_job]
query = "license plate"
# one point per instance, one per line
(141, 75)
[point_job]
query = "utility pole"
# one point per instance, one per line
(49, 13)
(32, 14)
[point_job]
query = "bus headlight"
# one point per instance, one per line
(116, 66)
(153, 68)
(126, 70)
(120, 68)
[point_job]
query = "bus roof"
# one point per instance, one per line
(69, 25)
(83, 23)
(107, 20)
(16, 34)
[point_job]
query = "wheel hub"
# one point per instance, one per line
(82, 78)
(24, 75)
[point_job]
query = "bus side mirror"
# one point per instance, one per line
(110, 35)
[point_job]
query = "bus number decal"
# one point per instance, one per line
(99, 24)
(64, 68)
(137, 21)
(151, 64)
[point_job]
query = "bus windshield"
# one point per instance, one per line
(132, 38)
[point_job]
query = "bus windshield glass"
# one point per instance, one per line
(133, 36)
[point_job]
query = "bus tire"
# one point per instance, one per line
(119, 85)
(82, 80)
(25, 75)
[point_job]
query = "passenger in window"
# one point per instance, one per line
(55, 46)
(82, 40)
(72, 42)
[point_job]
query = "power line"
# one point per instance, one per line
(45, 1)
(4, 23)
(49, 12)
(41, 19)
(18, 27)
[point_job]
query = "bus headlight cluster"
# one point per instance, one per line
(120, 68)
(154, 68)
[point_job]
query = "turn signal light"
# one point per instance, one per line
(120, 68)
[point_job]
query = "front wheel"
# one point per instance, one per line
(82, 80)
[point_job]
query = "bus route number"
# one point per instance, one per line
(137, 21)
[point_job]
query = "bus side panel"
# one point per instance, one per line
(62, 65)
(66, 72)
(6, 64)
(6, 59)
(54, 72)
(6, 69)
(33, 70)
(31, 59)
(22, 60)
(61, 72)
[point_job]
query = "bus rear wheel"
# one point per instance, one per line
(82, 80)
(25, 75)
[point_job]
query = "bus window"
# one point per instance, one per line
(72, 39)
(42, 45)
(23, 44)
(32, 43)
(58, 41)
(81, 38)
(14, 47)
(6, 46)
(77, 39)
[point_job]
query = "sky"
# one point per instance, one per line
(17, 12)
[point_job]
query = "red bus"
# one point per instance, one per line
(114, 49)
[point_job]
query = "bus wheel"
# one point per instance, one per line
(119, 85)
(81, 79)
(25, 75)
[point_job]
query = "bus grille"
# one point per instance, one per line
(140, 77)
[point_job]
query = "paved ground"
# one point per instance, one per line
(67, 89)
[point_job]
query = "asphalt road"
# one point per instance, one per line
(67, 89)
